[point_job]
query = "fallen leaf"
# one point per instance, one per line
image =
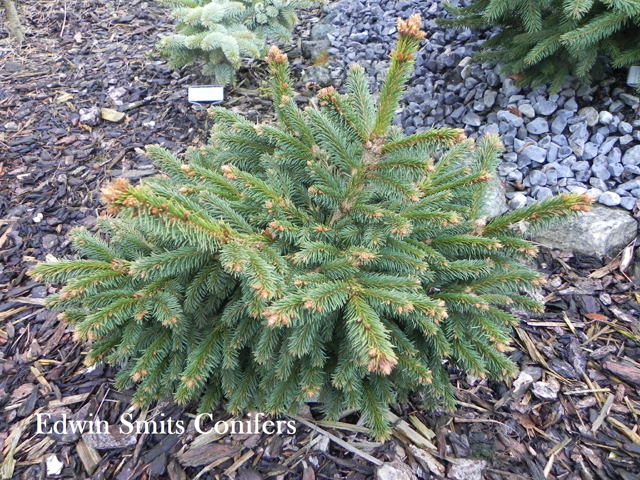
(111, 115)
(627, 256)
(67, 140)
(64, 97)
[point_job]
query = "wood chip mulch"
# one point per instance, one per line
(572, 413)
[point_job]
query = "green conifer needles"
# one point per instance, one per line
(548, 40)
(219, 33)
(327, 256)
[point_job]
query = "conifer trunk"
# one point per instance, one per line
(14, 21)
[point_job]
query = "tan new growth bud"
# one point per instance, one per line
(326, 93)
(382, 364)
(411, 27)
(276, 55)
(111, 192)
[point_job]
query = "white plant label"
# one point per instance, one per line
(633, 78)
(206, 93)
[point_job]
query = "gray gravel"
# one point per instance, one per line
(585, 138)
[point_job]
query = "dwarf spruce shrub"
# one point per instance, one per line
(327, 257)
(219, 33)
(545, 41)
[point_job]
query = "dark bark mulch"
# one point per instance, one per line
(571, 414)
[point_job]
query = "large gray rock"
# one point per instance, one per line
(315, 50)
(496, 201)
(317, 75)
(602, 231)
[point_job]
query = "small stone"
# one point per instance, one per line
(563, 171)
(632, 169)
(552, 177)
(630, 100)
(527, 110)
(514, 120)
(11, 127)
(630, 185)
(509, 88)
(394, 471)
(321, 29)
(607, 145)
(601, 171)
(610, 199)
(489, 98)
(536, 177)
(616, 169)
(50, 241)
(538, 126)
(626, 139)
(590, 151)
(597, 139)
(605, 118)
(571, 105)
(518, 201)
(625, 128)
(90, 116)
(456, 114)
(558, 125)
(471, 119)
(583, 90)
(522, 383)
(564, 152)
(505, 168)
(515, 176)
(615, 156)
(545, 108)
(616, 106)
(632, 156)
(466, 61)
(590, 114)
(552, 152)
(628, 202)
(467, 469)
(583, 175)
(546, 390)
(543, 193)
(580, 166)
(360, 37)
(578, 138)
(534, 154)
(39, 292)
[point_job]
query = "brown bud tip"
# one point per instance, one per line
(411, 27)
(326, 93)
(111, 192)
(276, 55)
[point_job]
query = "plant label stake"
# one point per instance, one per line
(633, 78)
(212, 94)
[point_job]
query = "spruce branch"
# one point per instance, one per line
(315, 256)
